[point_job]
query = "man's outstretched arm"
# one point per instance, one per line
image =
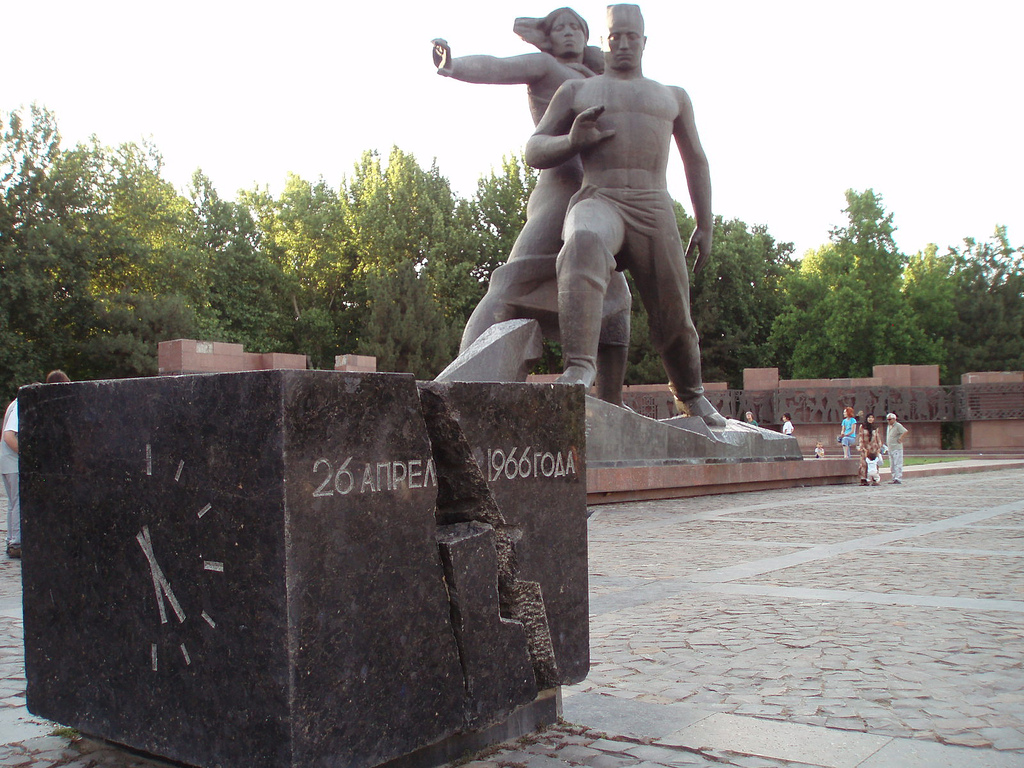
(698, 180)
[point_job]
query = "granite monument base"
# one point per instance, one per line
(298, 568)
(619, 437)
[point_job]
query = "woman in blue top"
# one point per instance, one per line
(848, 435)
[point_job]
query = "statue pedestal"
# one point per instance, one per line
(294, 568)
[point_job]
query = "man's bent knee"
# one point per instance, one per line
(584, 261)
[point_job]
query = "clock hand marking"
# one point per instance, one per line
(160, 584)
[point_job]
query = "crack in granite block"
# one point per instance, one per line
(463, 496)
(493, 650)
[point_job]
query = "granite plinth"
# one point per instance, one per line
(246, 570)
(620, 437)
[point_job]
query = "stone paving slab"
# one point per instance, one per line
(788, 741)
(635, 718)
(1001, 578)
(905, 753)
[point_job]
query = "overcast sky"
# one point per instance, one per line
(795, 101)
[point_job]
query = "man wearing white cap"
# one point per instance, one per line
(621, 124)
(894, 434)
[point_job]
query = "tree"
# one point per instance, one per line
(499, 212)
(148, 279)
(45, 302)
(929, 289)
(846, 311)
(403, 216)
(246, 301)
(306, 242)
(988, 288)
(736, 298)
(406, 329)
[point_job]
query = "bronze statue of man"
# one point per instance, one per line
(525, 286)
(620, 125)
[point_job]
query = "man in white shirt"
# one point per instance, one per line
(894, 434)
(9, 470)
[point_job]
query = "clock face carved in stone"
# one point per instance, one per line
(180, 620)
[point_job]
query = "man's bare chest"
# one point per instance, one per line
(628, 100)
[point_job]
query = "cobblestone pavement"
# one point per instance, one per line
(840, 626)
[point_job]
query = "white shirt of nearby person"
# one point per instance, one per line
(8, 457)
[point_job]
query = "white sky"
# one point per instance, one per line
(796, 101)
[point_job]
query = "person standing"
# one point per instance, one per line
(848, 431)
(787, 425)
(9, 461)
(869, 443)
(9, 470)
(894, 434)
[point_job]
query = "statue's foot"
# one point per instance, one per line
(702, 407)
(577, 374)
(716, 420)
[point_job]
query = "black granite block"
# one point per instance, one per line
(377, 670)
(238, 569)
(528, 441)
(493, 650)
(246, 569)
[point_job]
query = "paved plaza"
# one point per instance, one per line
(838, 626)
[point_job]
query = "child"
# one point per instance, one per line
(819, 451)
(787, 425)
(873, 461)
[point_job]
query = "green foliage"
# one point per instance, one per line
(736, 298)
(401, 214)
(988, 328)
(246, 298)
(845, 310)
(408, 227)
(406, 329)
(644, 365)
(733, 301)
(499, 211)
(128, 327)
(101, 259)
(43, 268)
(305, 245)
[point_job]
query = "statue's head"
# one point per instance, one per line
(624, 45)
(563, 33)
